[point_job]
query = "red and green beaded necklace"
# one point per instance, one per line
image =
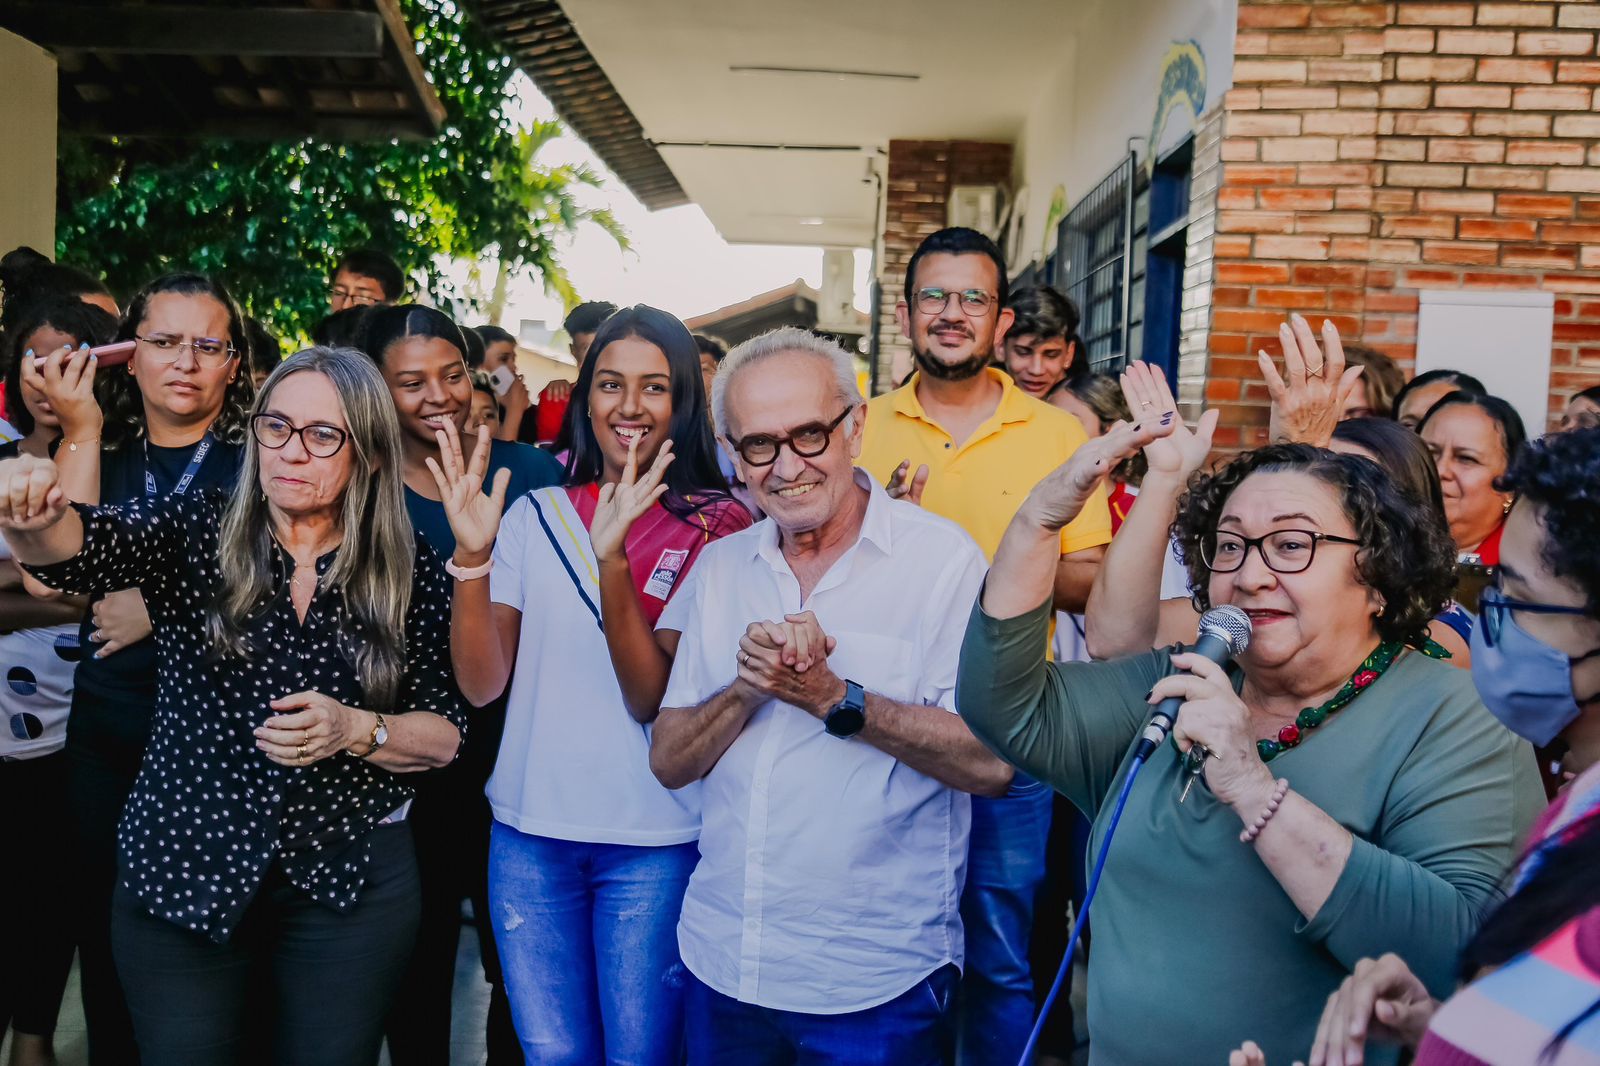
(1371, 668)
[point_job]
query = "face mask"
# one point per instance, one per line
(1524, 682)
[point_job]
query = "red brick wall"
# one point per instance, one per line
(1374, 149)
(918, 191)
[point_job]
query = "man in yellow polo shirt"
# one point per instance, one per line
(961, 439)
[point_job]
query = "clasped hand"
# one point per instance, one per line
(307, 728)
(788, 661)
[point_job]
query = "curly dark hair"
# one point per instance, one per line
(1561, 474)
(1406, 553)
(119, 393)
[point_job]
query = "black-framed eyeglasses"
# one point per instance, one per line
(209, 352)
(807, 441)
(1495, 607)
(348, 298)
(317, 439)
(971, 301)
(1285, 551)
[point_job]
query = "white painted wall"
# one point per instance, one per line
(1104, 90)
(1501, 338)
(28, 131)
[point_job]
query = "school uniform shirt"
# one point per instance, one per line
(37, 666)
(573, 763)
(830, 872)
(209, 812)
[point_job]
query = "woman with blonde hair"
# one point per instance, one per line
(267, 892)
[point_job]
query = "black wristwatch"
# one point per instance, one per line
(849, 715)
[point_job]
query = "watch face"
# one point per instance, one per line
(382, 736)
(845, 721)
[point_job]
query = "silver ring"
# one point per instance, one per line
(1317, 373)
(744, 658)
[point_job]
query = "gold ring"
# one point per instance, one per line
(301, 751)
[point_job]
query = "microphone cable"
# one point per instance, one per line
(1083, 915)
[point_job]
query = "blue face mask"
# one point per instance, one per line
(1523, 681)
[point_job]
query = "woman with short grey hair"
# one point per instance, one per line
(267, 890)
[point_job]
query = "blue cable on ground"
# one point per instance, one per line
(1083, 915)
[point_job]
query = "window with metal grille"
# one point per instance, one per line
(1100, 263)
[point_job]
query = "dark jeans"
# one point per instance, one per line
(1005, 866)
(299, 984)
(105, 745)
(35, 893)
(450, 827)
(913, 1029)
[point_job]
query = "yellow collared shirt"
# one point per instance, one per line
(980, 483)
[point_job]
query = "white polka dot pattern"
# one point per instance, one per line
(209, 812)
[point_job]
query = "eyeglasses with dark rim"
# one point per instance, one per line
(1285, 551)
(807, 441)
(348, 297)
(209, 352)
(317, 439)
(971, 301)
(1495, 607)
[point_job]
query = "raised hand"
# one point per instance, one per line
(65, 377)
(1184, 450)
(1058, 498)
(474, 517)
(903, 485)
(622, 504)
(1309, 397)
(30, 494)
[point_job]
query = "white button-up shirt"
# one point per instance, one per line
(830, 872)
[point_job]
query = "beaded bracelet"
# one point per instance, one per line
(1249, 833)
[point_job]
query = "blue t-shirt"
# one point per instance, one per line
(531, 468)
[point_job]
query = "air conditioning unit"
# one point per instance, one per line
(976, 207)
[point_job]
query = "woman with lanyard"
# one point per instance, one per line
(589, 855)
(38, 654)
(423, 357)
(173, 423)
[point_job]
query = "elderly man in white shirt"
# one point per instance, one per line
(812, 692)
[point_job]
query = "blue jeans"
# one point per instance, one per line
(588, 939)
(1005, 866)
(910, 1030)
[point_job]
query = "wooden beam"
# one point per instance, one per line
(176, 29)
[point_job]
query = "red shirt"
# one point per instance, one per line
(662, 546)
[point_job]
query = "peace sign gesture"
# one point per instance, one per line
(474, 517)
(1309, 399)
(621, 505)
(1184, 450)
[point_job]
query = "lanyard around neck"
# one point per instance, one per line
(189, 472)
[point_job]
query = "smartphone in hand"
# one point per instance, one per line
(501, 379)
(105, 355)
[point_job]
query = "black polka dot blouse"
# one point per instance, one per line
(210, 812)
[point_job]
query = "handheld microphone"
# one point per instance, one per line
(1224, 633)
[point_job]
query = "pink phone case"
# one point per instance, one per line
(106, 355)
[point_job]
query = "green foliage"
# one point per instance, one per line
(271, 218)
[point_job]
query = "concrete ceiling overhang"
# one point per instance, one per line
(771, 115)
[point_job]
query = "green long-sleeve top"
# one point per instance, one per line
(1196, 946)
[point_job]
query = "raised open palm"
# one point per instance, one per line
(1058, 498)
(1184, 450)
(621, 505)
(474, 517)
(1309, 397)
